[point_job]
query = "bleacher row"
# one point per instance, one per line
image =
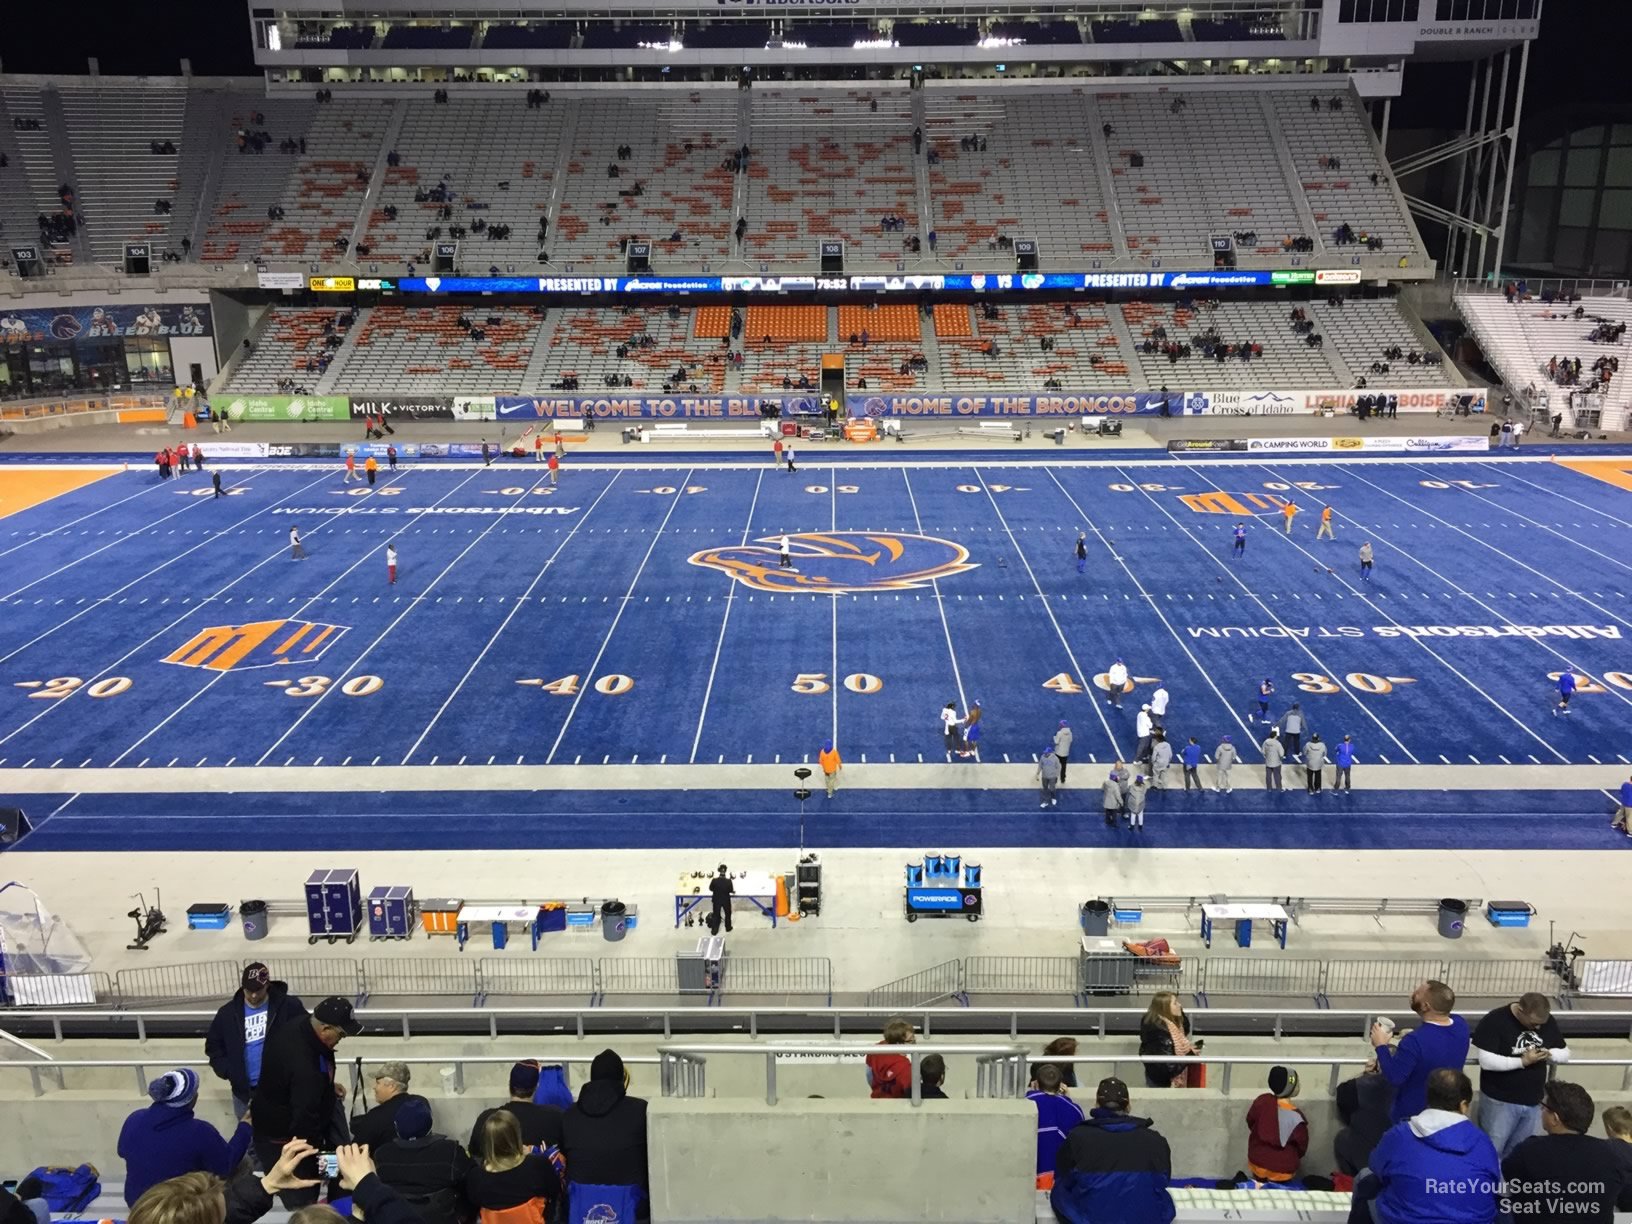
(1091, 174)
(1072, 346)
(1522, 336)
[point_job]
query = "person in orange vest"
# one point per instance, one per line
(555, 466)
(830, 763)
(1288, 512)
(538, 448)
(371, 468)
(351, 468)
(1325, 532)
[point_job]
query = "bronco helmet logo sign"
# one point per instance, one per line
(839, 562)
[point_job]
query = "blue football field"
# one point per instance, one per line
(639, 614)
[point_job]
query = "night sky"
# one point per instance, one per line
(1576, 63)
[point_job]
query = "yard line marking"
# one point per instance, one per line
(725, 621)
(940, 603)
(504, 624)
(833, 526)
(1069, 653)
(1235, 578)
(170, 560)
(46, 535)
(1205, 675)
(606, 641)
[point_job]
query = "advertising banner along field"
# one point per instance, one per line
(102, 322)
(285, 408)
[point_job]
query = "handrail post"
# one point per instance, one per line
(458, 1078)
(770, 1079)
(1227, 1068)
(34, 1075)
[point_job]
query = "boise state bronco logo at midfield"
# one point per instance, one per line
(839, 562)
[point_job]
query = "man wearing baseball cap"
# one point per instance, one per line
(298, 1096)
(1113, 1168)
(240, 1030)
(540, 1123)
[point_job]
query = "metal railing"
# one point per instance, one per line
(921, 989)
(1536, 286)
(1000, 1069)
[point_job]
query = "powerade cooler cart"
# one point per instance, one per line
(934, 889)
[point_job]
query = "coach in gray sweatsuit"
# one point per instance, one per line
(1314, 763)
(1224, 756)
(1048, 776)
(1274, 756)
(1062, 747)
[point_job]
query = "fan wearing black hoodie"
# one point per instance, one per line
(243, 1026)
(604, 1134)
(427, 1170)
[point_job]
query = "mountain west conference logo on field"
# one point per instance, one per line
(839, 562)
(258, 644)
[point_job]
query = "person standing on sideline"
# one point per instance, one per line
(1145, 726)
(1048, 778)
(1441, 1040)
(787, 454)
(971, 729)
(1365, 561)
(487, 453)
(1343, 759)
(351, 468)
(198, 456)
(296, 553)
(538, 448)
(784, 553)
(1266, 690)
(720, 889)
(1566, 690)
(1623, 818)
(950, 730)
(1507, 436)
(1116, 680)
(1158, 706)
(1082, 552)
(1325, 532)
(1515, 1045)
(391, 563)
(1192, 762)
(560, 446)
(1274, 756)
(776, 453)
(1314, 763)
(1518, 433)
(1224, 756)
(159, 461)
(182, 458)
(1062, 748)
(371, 469)
(828, 758)
(1134, 803)
(391, 457)
(1240, 549)
(215, 483)
(1288, 513)
(1161, 760)
(1111, 797)
(1292, 726)
(554, 465)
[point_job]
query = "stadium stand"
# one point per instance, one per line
(31, 146)
(782, 345)
(827, 165)
(1363, 331)
(1006, 348)
(1285, 359)
(673, 182)
(1522, 337)
(654, 342)
(249, 183)
(119, 177)
(423, 351)
(1192, 165)
(500, 183)
(289, 352)
(321, 199)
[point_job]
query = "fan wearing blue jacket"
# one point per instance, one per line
(1441, 1040)
(1112, 1168)
(165, 1140)
(1436, 1167)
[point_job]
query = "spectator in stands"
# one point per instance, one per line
(1618, 1126)
(165, 1140)
(27, 1207)
(1435, 1165)
(1165, 1030)
(243, 1026)
(1363, 1105)
(1573, 1175)
(1113, 1168)
(1277, 1131)
(932, 1074)
(1057, 1115)
(1441, 1040)
(428, 1170)
(890, 1075)
(507, 1183)
(540, 1124)
(391, 1093)
(1515, 1045)
(298, 1097)
(1065, 1047)
(201, 1198)
(604, 1138)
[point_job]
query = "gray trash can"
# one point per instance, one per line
(253, 914)
(613, 926)
(1096, 917)
(1452, 914)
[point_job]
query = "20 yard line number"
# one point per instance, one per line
(61, 686)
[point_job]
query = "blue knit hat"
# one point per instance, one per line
(177, 1089)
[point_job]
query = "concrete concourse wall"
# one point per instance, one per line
(877, 1161)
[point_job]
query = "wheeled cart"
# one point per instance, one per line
(334, 905)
